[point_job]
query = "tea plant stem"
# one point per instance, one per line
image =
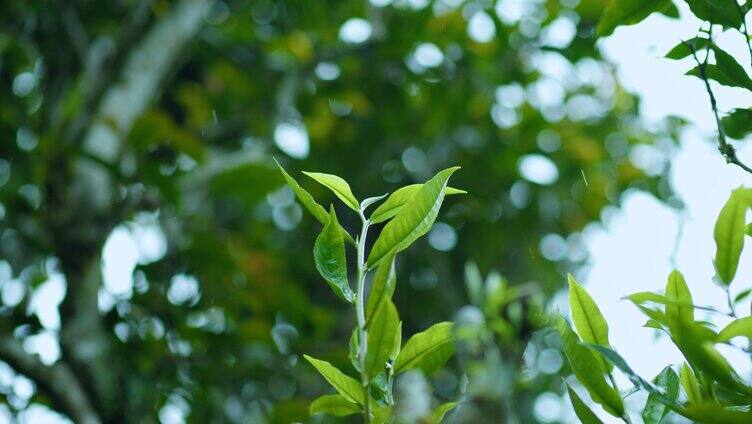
(361, 315)
(624, 417)
(726, 149)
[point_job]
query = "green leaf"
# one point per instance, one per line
(655, 410)
(628, 12)
(381, 335)
(347, 386)
(721, 12)
(336, 405)
(685, 48)
(746, 292)
(382, 287)
(696, 343)
(738, 123)
(413, 220)
(307, 200)
(584, 413)
(638, 381)
(338, 186)
(715, 414)
(427, 350)
(438, 413)
(329, 255)
(588, 320)
(396, 200)
(397, 343)
(726, 70)
(677, 291)
(739, 327)
(589, 370)
(729, 235)
(689, 384)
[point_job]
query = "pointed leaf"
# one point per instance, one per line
(584, 413)
(716, 414)
(337, 185)
(729, 235)
(655, 410)
(739, 327)
(413, 220)
(726, 70)
(738, 124)
(588, 320)
(397, 343)
(689, 384)
(347, 386)
(428, 350)
(677, 291)
(397, 199)
(381, 335)
(638, 381)
(336, 405)
(589, 370)
(329, 255)
(687, 47)
(382, 287)
(628, 12)
(721, 12)
(307, 200)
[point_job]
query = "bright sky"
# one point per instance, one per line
(632, 253)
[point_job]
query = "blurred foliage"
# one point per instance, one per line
(385, 93)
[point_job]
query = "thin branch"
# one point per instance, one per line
(744, 31)
(726, 149)
(57, 381)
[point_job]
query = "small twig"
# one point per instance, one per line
(726, 149)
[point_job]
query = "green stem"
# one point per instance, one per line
(360, 313)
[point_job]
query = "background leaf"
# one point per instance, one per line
(738, 327)
(722, 12)
(689, 384)
(738, 123)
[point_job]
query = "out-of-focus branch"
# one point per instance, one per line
(726, 149)
(57, 381)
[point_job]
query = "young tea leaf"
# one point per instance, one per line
(381, 335)
(382, 287)
(427, 350)
(739, 327)
(329, 255)
(655, 410)
(588, 320)
(338, 186)
(589, 370)
(307, 200)
(396, 200)
(582, 411)
(729, 235)
(689, 384)
(336, 405)
(413, 220)
(677, 291)
(627, 12)
(716, 414)
(347, 386)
